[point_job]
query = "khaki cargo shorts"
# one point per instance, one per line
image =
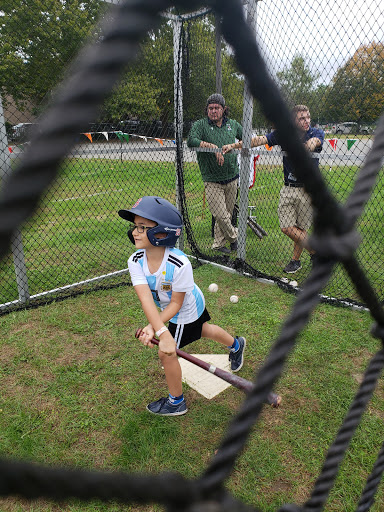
(295, 208)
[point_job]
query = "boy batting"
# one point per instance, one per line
(163, 281)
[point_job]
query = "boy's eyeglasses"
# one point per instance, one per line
(140, 228)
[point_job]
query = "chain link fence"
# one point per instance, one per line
(329, 58)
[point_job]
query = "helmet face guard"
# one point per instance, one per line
(169, 240)
(161, 211)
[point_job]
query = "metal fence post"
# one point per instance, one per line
(219, 87)
(245, 153)
(17, 242)
(178, 112)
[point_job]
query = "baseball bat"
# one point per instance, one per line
(238, 382)
(256, 228)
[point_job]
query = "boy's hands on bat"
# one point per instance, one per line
(167, 344)
(146, 335)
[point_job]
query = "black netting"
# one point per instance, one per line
(74, 223)
(139, 142)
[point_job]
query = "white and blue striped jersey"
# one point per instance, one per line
(174, 274)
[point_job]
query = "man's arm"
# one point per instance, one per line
(259, 140)
(312, 144)
(195, 140)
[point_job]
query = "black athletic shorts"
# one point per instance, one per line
(185, 334)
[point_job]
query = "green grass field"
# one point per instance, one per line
(77, 234)
(75, 383)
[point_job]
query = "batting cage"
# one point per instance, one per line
(232, 111)
(144, 140)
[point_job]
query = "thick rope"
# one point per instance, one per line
(343, 438)
(367, 496)
(239, 34)
(33, 481)
(76, 105)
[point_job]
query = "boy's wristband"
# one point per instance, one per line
(161, 331)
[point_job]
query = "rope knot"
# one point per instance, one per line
(330, 246)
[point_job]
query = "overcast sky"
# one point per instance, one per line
(327, 33)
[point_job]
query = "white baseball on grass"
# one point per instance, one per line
(293, 283)
(213, 287)
(234, 298)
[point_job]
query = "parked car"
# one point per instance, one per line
(151, 128)
(129, 126)
(23, 132)
(352, 128)
(169, 129)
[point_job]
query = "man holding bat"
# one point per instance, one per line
(162, 277)
(295, 206)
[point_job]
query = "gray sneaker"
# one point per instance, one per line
(292, 267)
(163, 407)
(237, 358)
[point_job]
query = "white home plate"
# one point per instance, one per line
(202, 381)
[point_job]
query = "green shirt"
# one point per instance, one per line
(227, 133)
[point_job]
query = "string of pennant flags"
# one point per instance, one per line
(332, 142)
(124, 137)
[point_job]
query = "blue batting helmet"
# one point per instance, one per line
(161, 211)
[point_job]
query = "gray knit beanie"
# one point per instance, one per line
(216, 98)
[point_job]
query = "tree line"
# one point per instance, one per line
(38, 40)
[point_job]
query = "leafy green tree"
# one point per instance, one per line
(297, 82)
(146, 89)
(357, 89)
(38, 38)
(201, 67)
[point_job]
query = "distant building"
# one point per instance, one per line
(14, 115)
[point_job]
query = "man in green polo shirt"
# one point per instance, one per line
(220, 172)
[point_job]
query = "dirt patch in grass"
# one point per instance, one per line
(24, 328)
(99, 447)
(7, 353)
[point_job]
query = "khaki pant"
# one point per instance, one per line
(295, 208)
(221, 201)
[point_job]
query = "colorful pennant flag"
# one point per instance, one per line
(160, 140)
(123, 136)
(350, 143)
(10, 149)
(333, 143)
(89, 136)
(105, 134)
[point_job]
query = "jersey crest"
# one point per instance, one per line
(166, 286)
